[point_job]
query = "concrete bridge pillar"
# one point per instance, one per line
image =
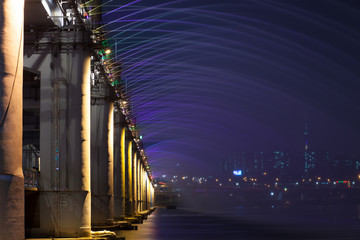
(63, 60)
(141, 184)
(146, 190)
(152, 195)
(148, 193)
(11, 67)
(135, 180)
(119, 165)
(143, 188)
(102, 133)
(129, 191)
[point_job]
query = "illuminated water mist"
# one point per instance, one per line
(210, 78)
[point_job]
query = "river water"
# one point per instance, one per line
(315, 221)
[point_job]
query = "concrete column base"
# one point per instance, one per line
(119, 209)
(129, 208)
(11, 207)
(99, 206)
(64, 214)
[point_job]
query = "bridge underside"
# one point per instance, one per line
(93, 171)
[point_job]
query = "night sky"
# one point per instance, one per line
(208, 79)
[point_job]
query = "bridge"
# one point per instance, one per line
(66, 133)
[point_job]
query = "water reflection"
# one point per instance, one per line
(260, 222)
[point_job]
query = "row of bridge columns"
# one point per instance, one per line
(92, 172)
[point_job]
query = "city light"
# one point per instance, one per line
(107, 51)
(237, 172)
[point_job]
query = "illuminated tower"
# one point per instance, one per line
(306, 135)
(309, 157)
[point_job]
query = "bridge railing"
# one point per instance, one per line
(31, 178)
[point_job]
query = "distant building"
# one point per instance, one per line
(310, 162)
(233, 162)
(258, 163)
(309, 158)
(280, 161)
(346, 165)
(318, 163)
(254, 163)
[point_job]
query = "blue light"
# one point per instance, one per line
(237, 172)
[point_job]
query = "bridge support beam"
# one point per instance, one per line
(119, 166)
(102, 134)
(11, 67)
(63, 59)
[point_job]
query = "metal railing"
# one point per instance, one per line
(31, 178)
